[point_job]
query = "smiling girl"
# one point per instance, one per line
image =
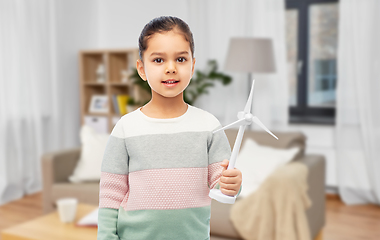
(162, 159)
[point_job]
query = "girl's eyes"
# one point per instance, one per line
(160, 60)
(181, 59)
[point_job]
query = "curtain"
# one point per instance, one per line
(358, 102)
(213, 23)
(29, 96)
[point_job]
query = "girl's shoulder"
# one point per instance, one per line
(130, 116)
(205, 117)
(127, 119)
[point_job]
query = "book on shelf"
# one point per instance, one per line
(120, 102)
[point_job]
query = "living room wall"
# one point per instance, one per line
(76, 28)
(120, 22)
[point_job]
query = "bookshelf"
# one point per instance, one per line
(103, 74)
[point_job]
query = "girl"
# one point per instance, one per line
(162, 159)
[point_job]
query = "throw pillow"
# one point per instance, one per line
(90, 161)
(257, 162)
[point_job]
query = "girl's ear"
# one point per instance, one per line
(192, 72)
(140, 69)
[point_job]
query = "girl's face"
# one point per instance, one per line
(168, 64)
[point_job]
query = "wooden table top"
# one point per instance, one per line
(50, 227)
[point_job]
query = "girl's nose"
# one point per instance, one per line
(170, 68)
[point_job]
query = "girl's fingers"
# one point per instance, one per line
(231, 173)
(229, 180)
(224, 164)
(233, 186)
(228, 192)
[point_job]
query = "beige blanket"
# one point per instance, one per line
(276, 211)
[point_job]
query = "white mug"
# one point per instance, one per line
(67, 209)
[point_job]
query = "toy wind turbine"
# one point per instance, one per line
(245, 119)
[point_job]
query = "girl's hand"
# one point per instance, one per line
(230, 181)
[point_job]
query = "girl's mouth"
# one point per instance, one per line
(170, 83)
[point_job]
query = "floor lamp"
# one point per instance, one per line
(250, 55)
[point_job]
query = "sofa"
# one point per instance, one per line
(58, 166)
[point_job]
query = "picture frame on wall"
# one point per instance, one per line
(99, 104)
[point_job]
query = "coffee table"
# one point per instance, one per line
(49, 227)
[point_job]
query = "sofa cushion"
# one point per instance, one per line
(90, 161)
(257, 162)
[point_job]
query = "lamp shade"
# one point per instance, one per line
(252, 55)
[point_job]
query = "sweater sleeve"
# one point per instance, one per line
(113, 189)
(218, 150)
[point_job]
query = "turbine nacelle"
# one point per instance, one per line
(247, 116)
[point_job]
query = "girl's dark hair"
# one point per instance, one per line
(164, 24)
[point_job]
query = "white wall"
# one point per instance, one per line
(121, 21)
(76, 28)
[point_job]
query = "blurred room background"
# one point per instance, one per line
(326, 81)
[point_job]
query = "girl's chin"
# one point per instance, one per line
(169, 95)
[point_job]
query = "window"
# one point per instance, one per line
(311, 40)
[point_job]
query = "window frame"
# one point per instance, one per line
(302, 113)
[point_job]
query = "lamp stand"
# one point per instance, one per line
(249, 82)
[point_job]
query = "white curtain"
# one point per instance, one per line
(29, 97)
(213, 23)
(358, 102)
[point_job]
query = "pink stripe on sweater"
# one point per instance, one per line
(214, 173)
(174, 188)
(113, 189)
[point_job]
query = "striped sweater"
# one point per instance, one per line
(156, 175)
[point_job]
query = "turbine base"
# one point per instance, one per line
(220, 197)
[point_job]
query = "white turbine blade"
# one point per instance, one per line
(256, 120)
(237, 123)
(248, 105)
(235, 150)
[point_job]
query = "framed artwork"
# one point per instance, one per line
(99, 104)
